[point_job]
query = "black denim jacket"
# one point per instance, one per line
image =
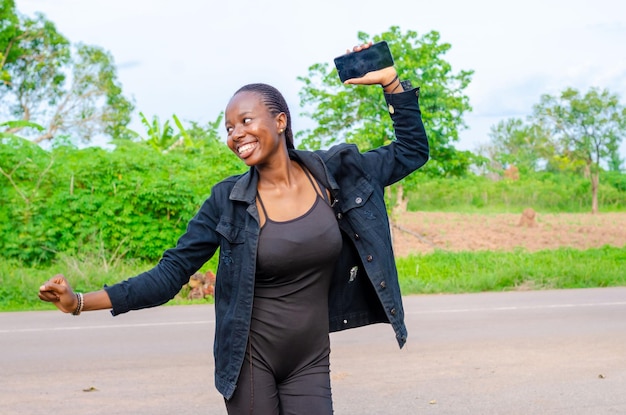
(364, 288)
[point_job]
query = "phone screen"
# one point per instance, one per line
(357, 64)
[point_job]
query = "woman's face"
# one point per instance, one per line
(252, 131)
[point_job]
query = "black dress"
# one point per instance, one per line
(286, 369)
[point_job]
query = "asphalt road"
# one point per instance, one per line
(536, 352)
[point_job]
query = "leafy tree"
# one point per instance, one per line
(587, 129)
(8, 31)
(614, 161)
(521, 144)
(357, 115)
(70, 90)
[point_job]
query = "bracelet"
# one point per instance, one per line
(79, 306)
(392, 81)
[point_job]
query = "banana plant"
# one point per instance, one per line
(163, 137)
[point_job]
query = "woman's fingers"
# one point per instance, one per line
(376, 77)
(57, 290)
(48, 296)
(360, 47)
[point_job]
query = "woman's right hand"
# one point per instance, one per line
(58, 291)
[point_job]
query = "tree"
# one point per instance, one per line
(519, 143)
(356, 115)
(614, 161)
(588, 128)
(70, 90)
(8, 30)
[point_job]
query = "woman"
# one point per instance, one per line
(304, 249)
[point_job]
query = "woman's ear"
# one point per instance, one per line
(281, 122)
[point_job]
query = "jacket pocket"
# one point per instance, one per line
(232, 233)
(357, 195)
(232, 241)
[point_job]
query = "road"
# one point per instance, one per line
(560, 352)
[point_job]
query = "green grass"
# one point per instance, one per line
(446, 272)
(545, 192)
(439, 272)
(19, 283)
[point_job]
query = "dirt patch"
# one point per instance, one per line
(423, 232)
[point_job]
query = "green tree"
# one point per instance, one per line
(8, 31)
(614, 161)
(587, 129)
(357, 115)
(72, 91)
(521, 144)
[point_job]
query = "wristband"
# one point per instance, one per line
(79, 306)
(392, 81)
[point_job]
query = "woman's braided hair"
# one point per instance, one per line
(275, 103)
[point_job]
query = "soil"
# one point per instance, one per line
(423, 232)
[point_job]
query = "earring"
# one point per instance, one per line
(280, 131)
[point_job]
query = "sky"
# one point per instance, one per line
(187, 57)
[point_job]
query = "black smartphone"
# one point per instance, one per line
(357, 64)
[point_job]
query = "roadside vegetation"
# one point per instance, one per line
(102, 215)
(436, 273)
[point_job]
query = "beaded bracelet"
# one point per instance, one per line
(79, 306)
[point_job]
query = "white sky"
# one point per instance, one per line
(187, 57)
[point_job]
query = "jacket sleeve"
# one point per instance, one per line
(409, 151)
(160, 284)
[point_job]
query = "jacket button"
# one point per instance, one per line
(370, 258)
(391, 109)
(383, 284)
(393, 311)
(356, 236)
(358, 200)
(339, 216)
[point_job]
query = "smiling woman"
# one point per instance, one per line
(304, 250)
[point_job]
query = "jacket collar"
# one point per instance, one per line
(245, 187)
(314, 163)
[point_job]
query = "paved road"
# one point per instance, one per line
(546, 352)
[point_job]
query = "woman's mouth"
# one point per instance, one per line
(246, 149)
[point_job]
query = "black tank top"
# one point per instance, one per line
(295, 260)
(297, 247)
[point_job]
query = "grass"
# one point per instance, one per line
(439, 272)
(446, 272)
(19, 283)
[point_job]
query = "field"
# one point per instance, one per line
(423, 232)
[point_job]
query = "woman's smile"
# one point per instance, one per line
(246, 149)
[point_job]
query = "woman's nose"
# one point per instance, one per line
(238, 132)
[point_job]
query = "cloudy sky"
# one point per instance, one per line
(187, 57)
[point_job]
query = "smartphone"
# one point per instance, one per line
(357, 64)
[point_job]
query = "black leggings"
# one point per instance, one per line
(260, 393)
